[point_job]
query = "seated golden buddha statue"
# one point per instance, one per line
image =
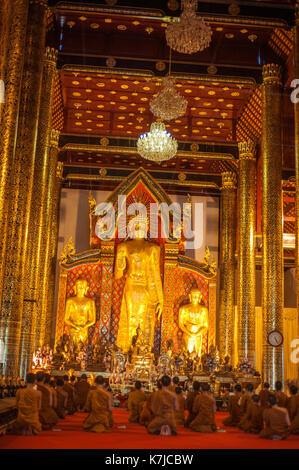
(142, 301)
(193, 321)
(80, 313)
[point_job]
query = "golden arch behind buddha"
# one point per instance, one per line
(137, 281)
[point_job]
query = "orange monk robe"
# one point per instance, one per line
(82, 388)
(234, 411)
(180, 413)
(98, 405)
(277, 423)
(189, 405)
(282, 399)
(47, 415)
(71, 405)
(28, 402)
(146, 414)
(163, 404)
(293, 409)
(244, 403)
(61, 396)
(252, 421)
(204, 408)
(136, 397)
(263, 396)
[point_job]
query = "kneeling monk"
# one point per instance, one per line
(98, 405)
(293, 409)
(28, 404)
(252, 421)
(234, 408)
(205, 408)
(163, 404)
(180, 414)
(47, 414)
(277, 421)
(135, 400)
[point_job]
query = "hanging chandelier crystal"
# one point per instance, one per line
(168, 104)
(157, 145)
(191, 34)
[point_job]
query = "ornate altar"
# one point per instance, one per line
(178, 273)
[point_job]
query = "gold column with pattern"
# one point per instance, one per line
(21, 184)
(51, 237)
(5, 25)
(296, 113)
(37, 227)
(272, 262)
(16, 26)
(246, 251)
(227, 264)
(53, 248)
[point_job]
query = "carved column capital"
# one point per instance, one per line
(246, 150)
(272, 74)
(54, 138)
(229, 180)
(51, 55)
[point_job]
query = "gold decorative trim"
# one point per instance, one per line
(133, 151)
(198, 184)
(158, 15)
(249, 81)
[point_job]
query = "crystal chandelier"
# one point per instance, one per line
(191, 33)
(168, 104)
(157, 145)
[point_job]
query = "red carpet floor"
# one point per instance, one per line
(69, 435)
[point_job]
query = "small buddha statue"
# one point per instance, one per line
(80, 313)
(193, 321)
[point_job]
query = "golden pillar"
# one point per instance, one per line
(21, 184)
(272, 263)
(37, 227)
(47, 279)
(5, 24)
(296, 113)
(246, 251)
(227, 263)
(15, 26)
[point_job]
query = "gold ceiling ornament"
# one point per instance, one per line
(212, 70)
(168, 104)
(194, 147)
(103, 172)
(182, 176)
(160, 65)
(157, 145)
(190, 34)
(104, 141)
(110, 62)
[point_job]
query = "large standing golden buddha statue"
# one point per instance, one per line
(142, 296)
(80, 313)
(193, 321)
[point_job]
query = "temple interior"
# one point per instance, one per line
(149, 191)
